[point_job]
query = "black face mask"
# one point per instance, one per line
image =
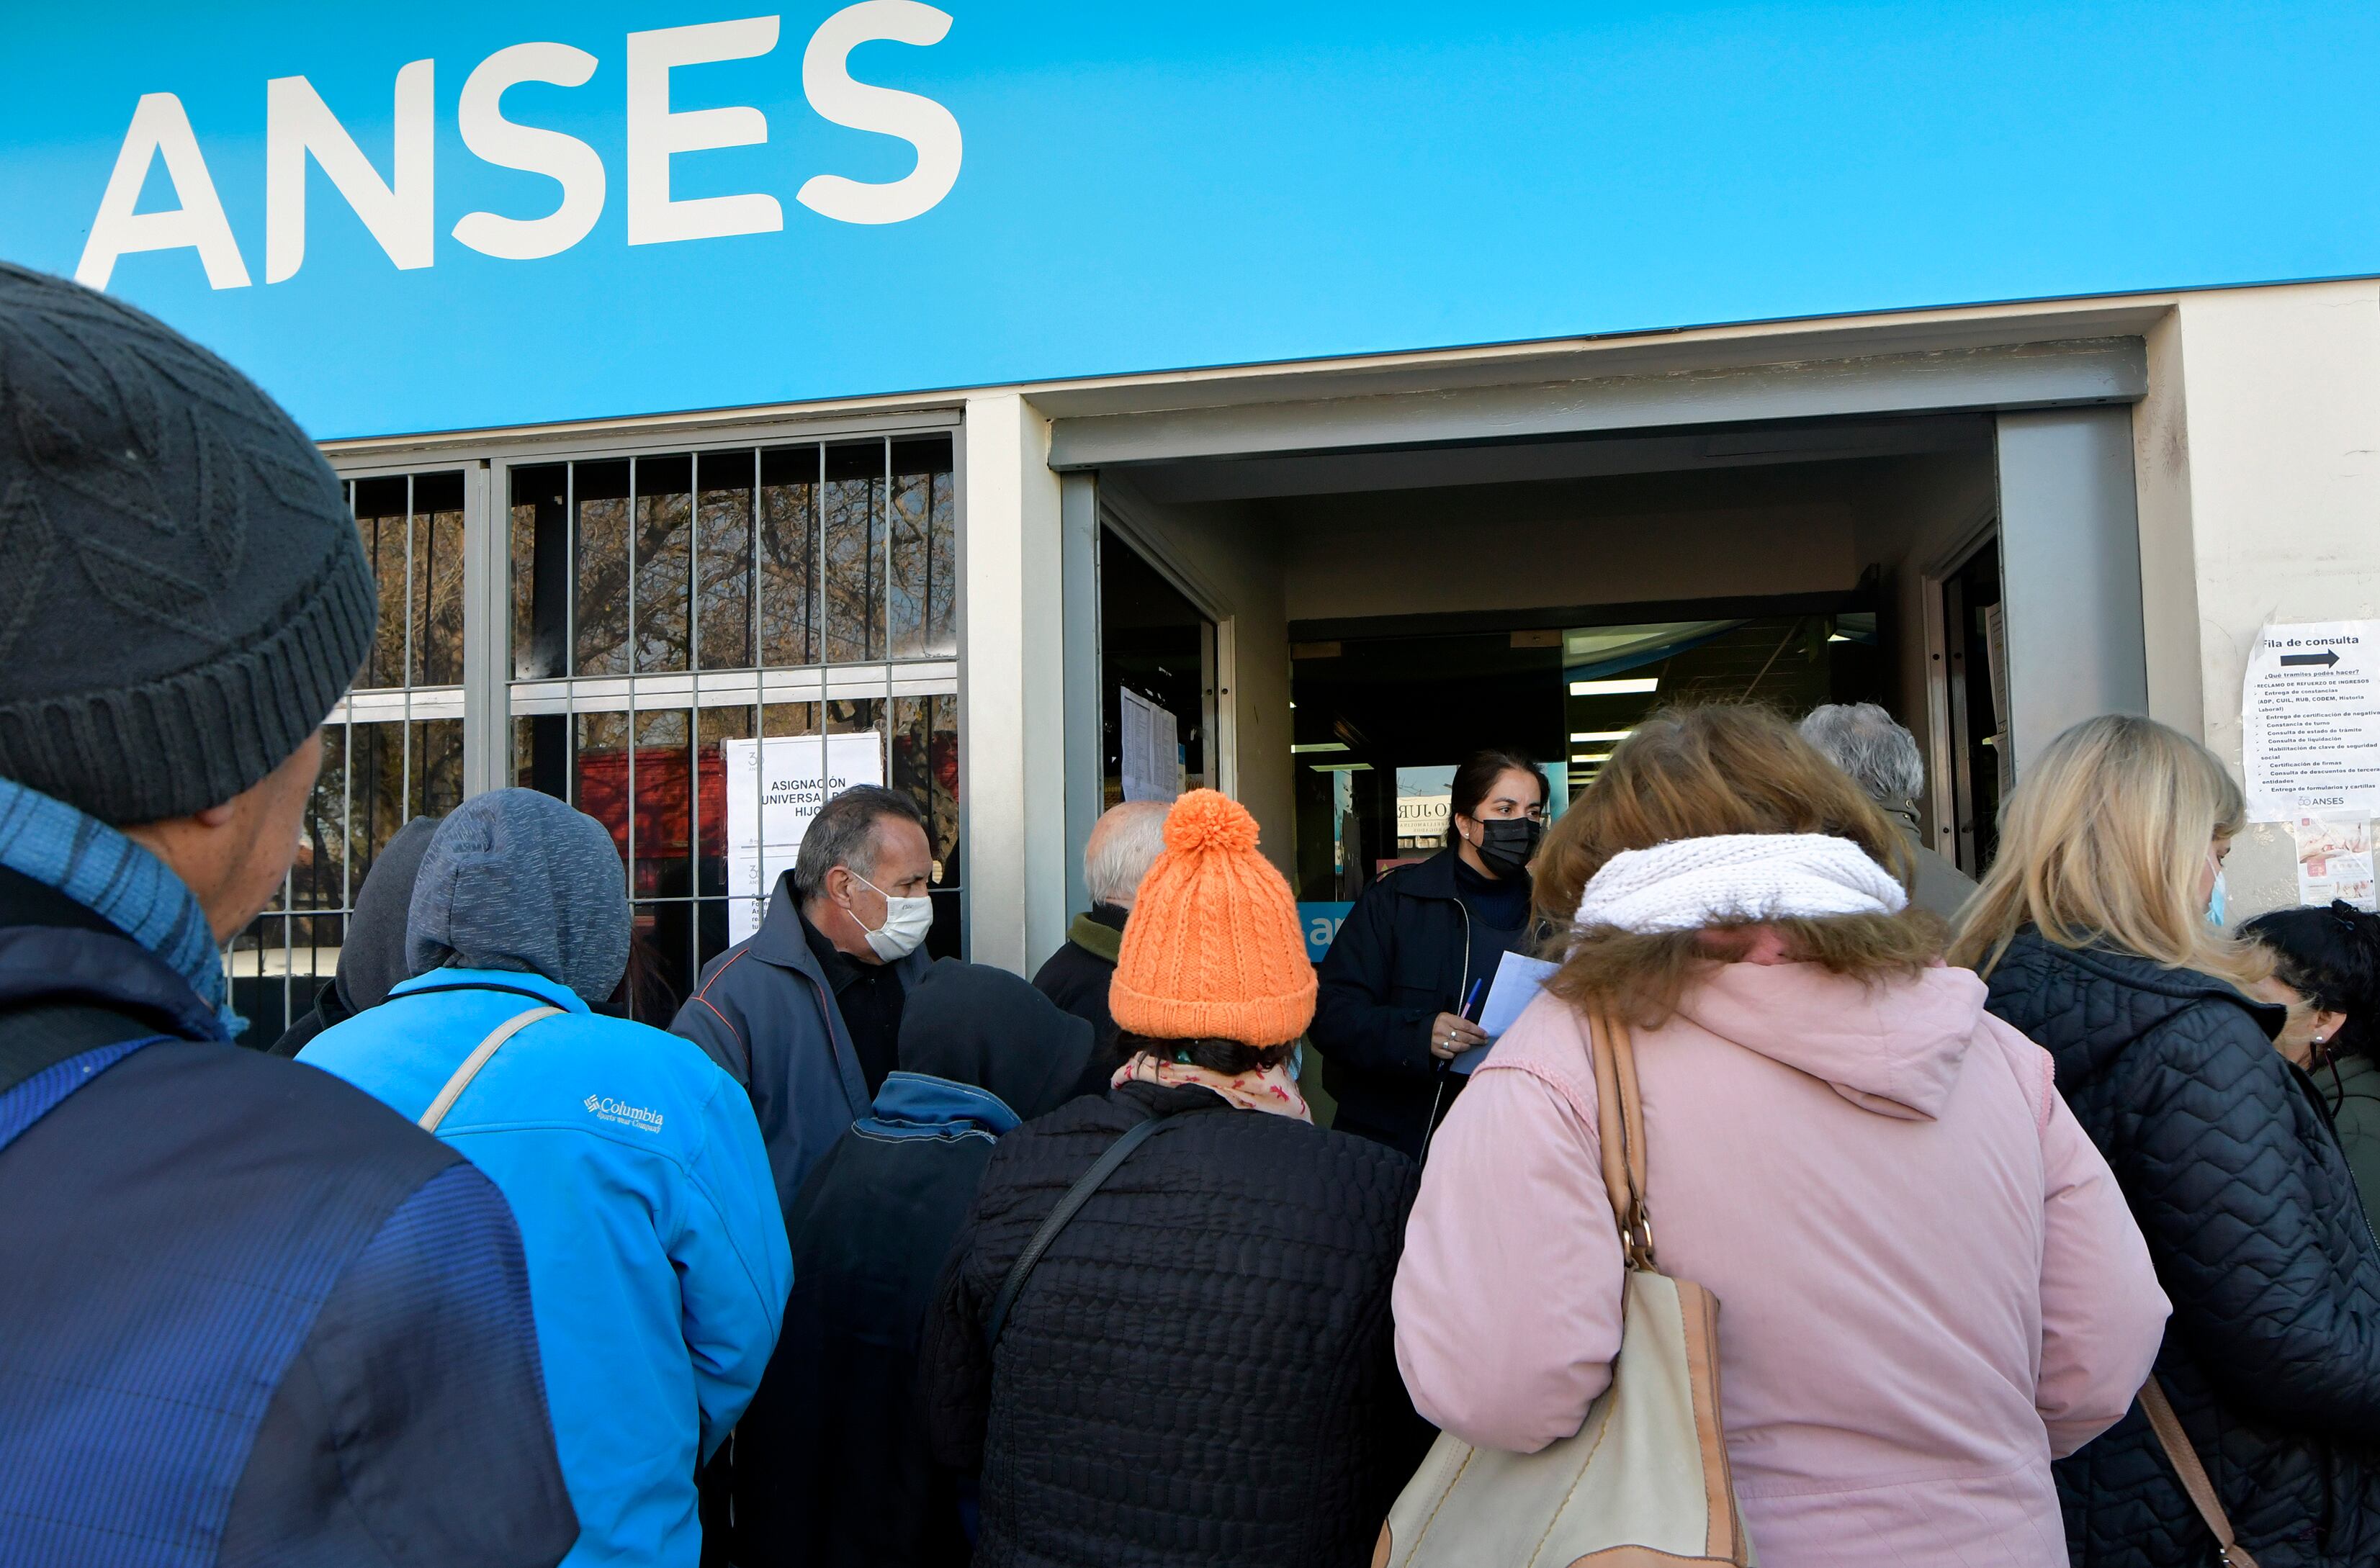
(1506, 843)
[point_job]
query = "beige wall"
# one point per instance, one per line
(2272, 473)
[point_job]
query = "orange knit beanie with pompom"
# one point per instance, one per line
(1213, 948)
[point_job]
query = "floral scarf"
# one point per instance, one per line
(1271, 1091)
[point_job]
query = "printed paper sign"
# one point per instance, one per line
(767, 815)
(2310, 713)
(2335, 859)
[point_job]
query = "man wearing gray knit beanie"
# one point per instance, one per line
(250, 1315)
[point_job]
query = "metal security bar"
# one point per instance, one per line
(664, 604)
(392, 750)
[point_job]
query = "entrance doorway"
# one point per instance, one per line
(1383, 721)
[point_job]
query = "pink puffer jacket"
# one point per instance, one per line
(1929, 1284)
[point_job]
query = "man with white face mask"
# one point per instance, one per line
(806, 1012)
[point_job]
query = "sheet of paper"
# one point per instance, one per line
(1518, 981)
(774, 789)
(2309, 720)
(2335, 859)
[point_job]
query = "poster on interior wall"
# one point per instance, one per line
(2335, 859)
(1150, 762)
(2309, 720)
(774, 790)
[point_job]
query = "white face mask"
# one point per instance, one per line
(906, 921)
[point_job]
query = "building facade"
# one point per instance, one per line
(911, 459)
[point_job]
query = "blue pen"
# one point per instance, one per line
(1472, 1001)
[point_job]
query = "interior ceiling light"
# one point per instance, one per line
(1318, 746)
(1576, 736)
(1340, 767)
(1591, 756)
(1631, 687)
(1836, 637)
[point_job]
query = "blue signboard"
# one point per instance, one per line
(1321, 922)
(442, 215)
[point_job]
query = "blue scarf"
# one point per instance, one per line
(118, 881)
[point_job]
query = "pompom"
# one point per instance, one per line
(1209, 822)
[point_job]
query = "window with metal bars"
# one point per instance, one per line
(665, 607)
(392, 750)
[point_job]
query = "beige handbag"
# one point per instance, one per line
(1644, 1484)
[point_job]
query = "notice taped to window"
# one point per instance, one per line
(2309, 714)
(774, 790)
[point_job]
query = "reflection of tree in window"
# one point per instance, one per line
(852, 519)
(600, 611)
(664, 563)
(437, 767)
(723, 579)
(923, 549)
(788, 555)
(380, 519)
(437, 594)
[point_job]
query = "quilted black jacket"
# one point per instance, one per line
(2272, 1357)
(1200, 1370)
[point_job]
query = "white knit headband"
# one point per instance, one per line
(1688, 884)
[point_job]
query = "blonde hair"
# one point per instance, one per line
(2101, 846)
(1695, 774)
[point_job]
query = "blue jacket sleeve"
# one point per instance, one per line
(411, 1428)
(733, 1265)
(1354, 1023)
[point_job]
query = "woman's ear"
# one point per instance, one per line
(2326, 1026)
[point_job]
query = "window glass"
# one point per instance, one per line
(701, 591)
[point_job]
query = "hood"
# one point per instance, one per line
(973, 1024)
(1894, 1049)
(517, 880)
(373, 958)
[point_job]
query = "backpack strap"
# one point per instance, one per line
(1075, 1196)
(37, 1038)
(479, 1058)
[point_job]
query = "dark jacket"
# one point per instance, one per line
(1402, 956)
(764, 1012)
(1076, 977)
(247, 1315)
(832, 1465)
(2351, 1088)
(1201, 1369)
(2272, 1356)
(371, 955)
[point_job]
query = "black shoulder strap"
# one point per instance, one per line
(1075, 1196)
(34, 1039)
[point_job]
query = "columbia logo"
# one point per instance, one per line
(622, 1113)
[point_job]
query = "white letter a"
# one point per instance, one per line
(160, 126)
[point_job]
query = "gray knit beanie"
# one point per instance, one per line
(183, 595)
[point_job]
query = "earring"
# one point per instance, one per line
(2319, 1040)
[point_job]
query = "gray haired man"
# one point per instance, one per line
(804, 1012)
(1881, 757)
(1124, 843)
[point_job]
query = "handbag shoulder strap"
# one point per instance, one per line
(1090, 1181)
(1619, 1119)
(2194, 1480)
(477, 1059)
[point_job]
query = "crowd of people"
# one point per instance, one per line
(2034, 1211)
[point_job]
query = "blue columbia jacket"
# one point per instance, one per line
(657, 1258)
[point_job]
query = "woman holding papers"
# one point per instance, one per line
(1404, 984)
(1928, 1282)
